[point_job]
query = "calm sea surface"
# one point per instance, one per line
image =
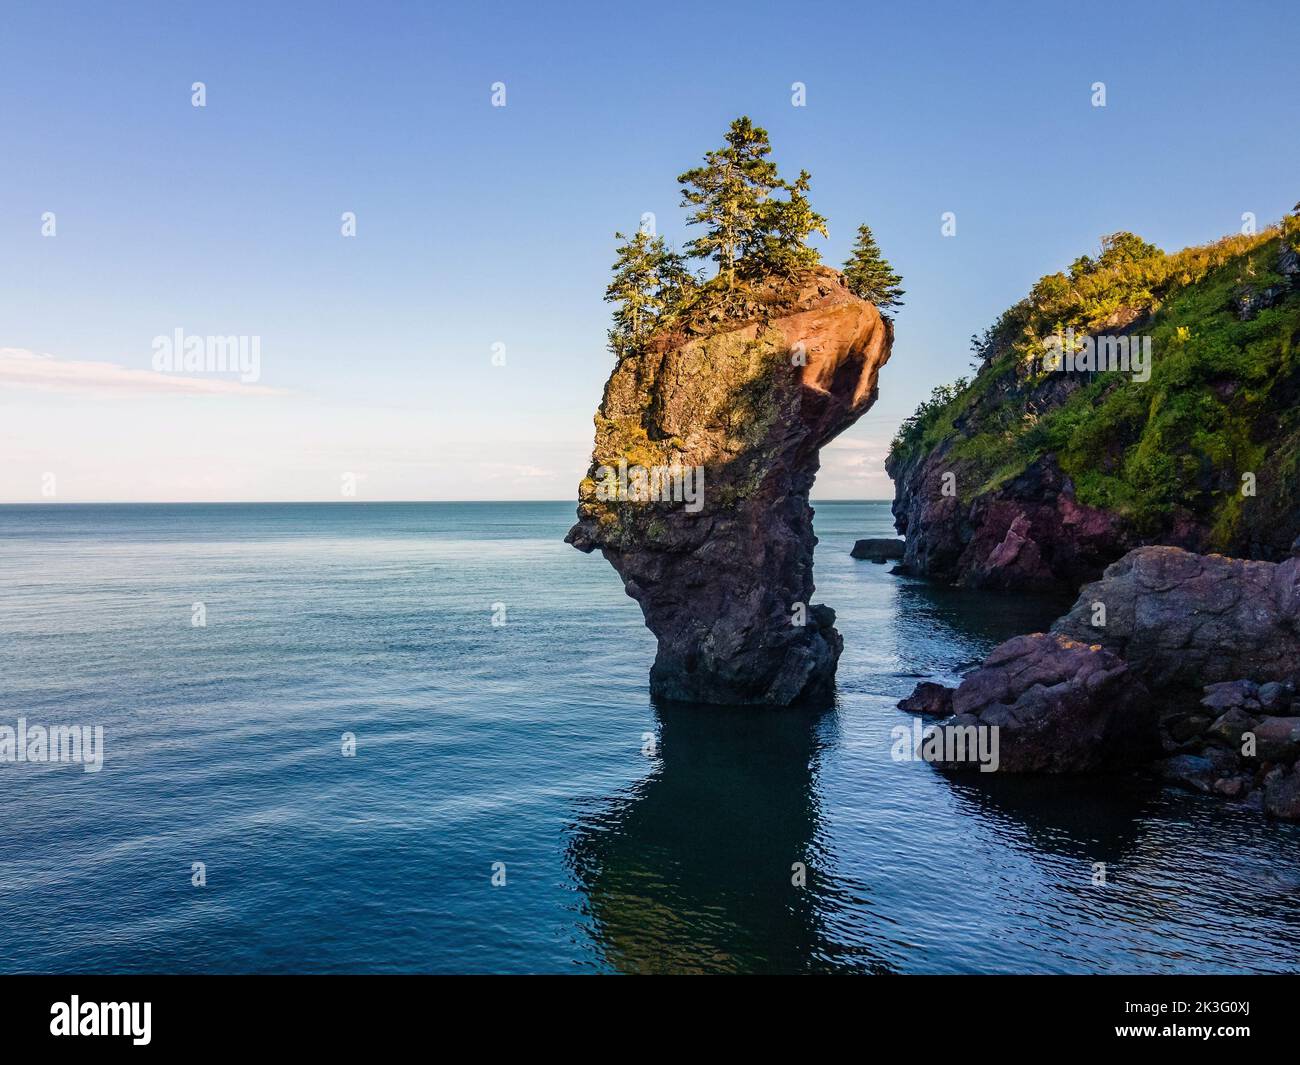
(524, 744)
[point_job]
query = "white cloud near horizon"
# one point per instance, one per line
(853, 468)
(21, 368)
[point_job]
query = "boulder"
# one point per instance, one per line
(928, 700)
(1277, 739)
(1250, 300)
(1185, 620)
(1232, 694)
(1229, 728)
(1277, 697)
(1187, 727)
(886, 549)
(1282, 794)
(1059, 706)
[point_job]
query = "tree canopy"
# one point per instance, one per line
(752, 223)
(728, 193)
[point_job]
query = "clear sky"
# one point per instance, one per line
(479, 226)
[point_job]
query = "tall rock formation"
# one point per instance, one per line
(738, 406)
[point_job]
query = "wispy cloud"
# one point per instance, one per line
(20, 368)
(850, 454)
(514, 471)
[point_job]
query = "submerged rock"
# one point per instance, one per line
(724, 579)
(1059, 707)
(1204, 773)
(879, 550)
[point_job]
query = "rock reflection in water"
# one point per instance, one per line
(693, 869)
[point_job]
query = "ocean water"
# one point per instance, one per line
(632, 838)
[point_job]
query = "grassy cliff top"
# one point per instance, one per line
(1221, 399)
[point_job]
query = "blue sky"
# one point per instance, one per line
(481, 225)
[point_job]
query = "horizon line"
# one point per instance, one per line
(305, 502)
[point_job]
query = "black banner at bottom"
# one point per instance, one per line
(349, 1013)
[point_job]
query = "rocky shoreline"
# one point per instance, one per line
(1176, 663)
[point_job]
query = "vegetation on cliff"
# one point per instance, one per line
(1220, 404)
(755, 230)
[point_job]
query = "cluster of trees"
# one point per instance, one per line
(1129, 274)
(755, 226)
(650, 282)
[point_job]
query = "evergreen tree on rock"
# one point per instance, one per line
(870, 276)
(650, 283)
(729, 193)
(787, 224)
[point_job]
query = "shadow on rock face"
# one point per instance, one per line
(691, 870)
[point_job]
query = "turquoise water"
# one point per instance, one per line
(526, 744)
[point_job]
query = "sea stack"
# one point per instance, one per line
(707, 445)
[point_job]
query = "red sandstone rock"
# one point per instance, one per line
(750, 402)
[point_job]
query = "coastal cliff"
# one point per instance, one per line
(1135, 419)
(1033, 477)
(740, 405)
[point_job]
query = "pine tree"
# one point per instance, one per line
(869, 274)
(650, 283)
(784, 227)
(729, 192)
